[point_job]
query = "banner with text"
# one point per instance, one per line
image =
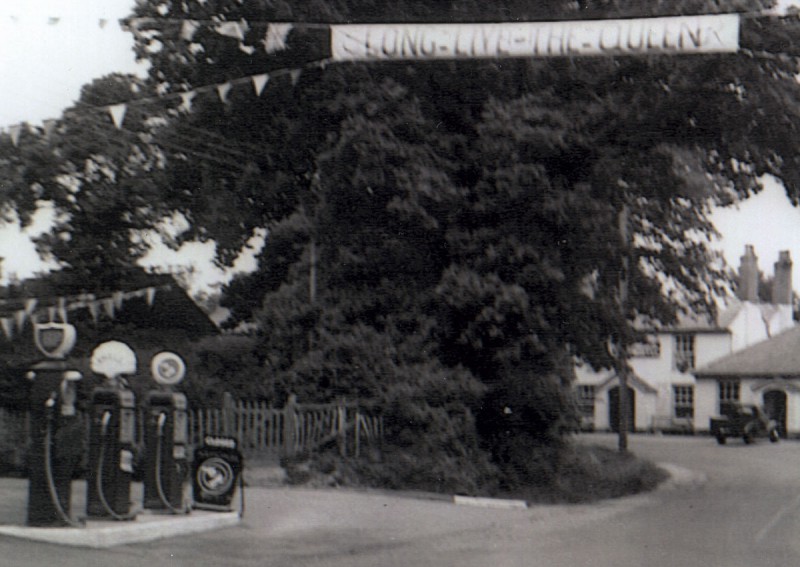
(682, 34)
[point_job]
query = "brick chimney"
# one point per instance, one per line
(782, 282)
(747, 289)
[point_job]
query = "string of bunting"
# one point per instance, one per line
(118, 111)
(277, 37)
(32, 309)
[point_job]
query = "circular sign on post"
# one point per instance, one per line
(167, 368)
(113, 359)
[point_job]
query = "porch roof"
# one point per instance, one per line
(634, 381)
(776, 356)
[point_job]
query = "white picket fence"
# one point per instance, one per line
(259, 428)
(293, 429)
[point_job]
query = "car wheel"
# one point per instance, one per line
(721, 439)
(774, 436)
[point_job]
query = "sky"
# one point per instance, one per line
(53, 47)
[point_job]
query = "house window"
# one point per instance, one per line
(728, 395)
(684, 401)
(585, 394)
(651, 348)
(684, 352)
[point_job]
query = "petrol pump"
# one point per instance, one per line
(111, 434)
(166, 467)
(56, 434)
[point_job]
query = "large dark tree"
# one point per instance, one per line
(444, 238)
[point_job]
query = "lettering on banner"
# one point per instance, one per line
(683, 34)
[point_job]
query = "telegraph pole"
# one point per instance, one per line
(622, 346)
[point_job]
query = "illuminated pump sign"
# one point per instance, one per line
(683, 34)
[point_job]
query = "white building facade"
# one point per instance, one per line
(663, 392)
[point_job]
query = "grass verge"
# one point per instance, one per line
(574, 473)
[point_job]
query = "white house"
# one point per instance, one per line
(767, 373)
(663, 393)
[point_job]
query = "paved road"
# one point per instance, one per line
(746, 513)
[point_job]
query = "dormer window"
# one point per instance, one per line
(683, 355)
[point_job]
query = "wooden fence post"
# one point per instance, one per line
(342, 426)
(358, 434)
(228, 415)
(290, 426)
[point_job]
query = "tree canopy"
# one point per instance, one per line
(440, 232)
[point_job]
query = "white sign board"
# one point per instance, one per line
(682, 34)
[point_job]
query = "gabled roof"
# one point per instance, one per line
(634, 381)
(776, 356)
(725, 318)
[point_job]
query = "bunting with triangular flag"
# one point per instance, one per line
(223, 90)
(187, 98)
(8, 327)
(19, 318)
(235, 30)
(15, 131)
(117, 113)
(47, 127)
(295, 75)
(259, 82)
(58, 308)
(276, 37)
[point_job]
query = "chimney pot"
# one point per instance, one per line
(748, 275)
(782, 280)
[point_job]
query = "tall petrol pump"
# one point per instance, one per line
(166, 468)
(56, 432)
(111, 434)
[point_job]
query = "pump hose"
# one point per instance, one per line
(241, 494)
(99, 484)
(159, 485)
(48, 473)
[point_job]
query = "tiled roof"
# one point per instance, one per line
(777, 356)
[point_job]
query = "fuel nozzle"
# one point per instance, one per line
(162, 419)
(105, 421)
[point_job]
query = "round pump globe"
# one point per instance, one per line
(112, 359)
(167, 368)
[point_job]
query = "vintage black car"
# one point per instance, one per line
(747, 421)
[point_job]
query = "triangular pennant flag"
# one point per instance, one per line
(108, 307)
(151, 295)
(259, 82)
(188, 29)
(94, 310)
(48, 126)
(275, 39)
(20, 317)
(249, 49)
(295, 75)
(117, 113)
(30, 305)
(8, 327)
(15, 131)
(232, 29)
(187, 100)
(223, 90)
(118, 298)
(53, 21)
(62, 309)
